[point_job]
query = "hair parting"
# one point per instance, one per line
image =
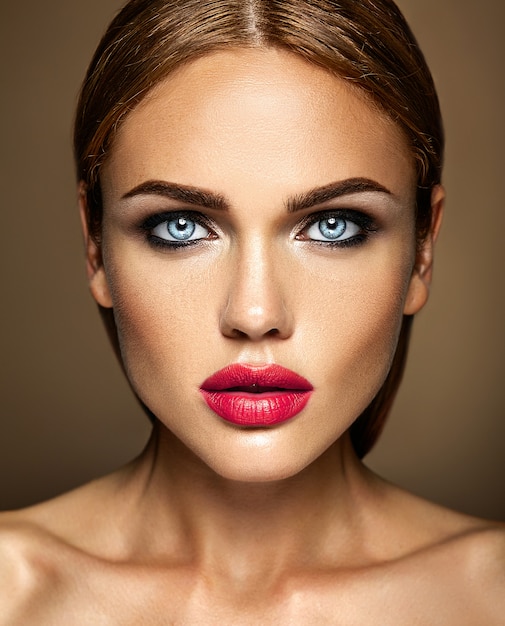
(366, 43)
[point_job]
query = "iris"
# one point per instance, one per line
(181, 228)
(332, 227)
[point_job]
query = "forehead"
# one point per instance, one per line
(260, 117)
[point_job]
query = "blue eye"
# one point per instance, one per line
(179, 228)
(333, 228)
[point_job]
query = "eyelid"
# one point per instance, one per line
(152, 221)
(155, 219)
(366, 222)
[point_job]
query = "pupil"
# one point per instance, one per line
(332, 227)
(181, 228)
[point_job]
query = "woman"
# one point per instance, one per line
(260, 195)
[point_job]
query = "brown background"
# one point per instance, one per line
(67, 414)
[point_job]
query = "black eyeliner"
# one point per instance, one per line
(365, 222)
(154, 220)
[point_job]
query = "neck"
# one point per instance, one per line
(220, 523)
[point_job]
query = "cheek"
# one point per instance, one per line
(355, 320)
(162, 312)
(347, 314)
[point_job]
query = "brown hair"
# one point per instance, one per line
(367, 43)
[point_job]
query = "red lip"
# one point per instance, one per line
(250, 395)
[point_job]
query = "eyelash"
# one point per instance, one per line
(149, 224)
(365, 223)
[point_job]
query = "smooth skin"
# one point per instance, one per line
(219, 524)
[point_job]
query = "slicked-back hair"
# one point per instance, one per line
(367, 43)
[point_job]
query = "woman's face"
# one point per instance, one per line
(257, 211)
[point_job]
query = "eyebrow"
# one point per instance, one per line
(183, 193)
(299, 202)
(332, 191)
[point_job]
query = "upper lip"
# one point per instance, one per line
(255, 378)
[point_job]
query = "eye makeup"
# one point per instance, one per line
(340, 228)
(333, 228)
(177, 229)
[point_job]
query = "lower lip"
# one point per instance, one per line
(249, 409)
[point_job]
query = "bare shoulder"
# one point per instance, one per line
(481, 554)
(28, 565)
(478, 544)
(466, 574)
(457, 564)
(41, 550)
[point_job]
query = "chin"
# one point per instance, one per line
(258, 474)
(262, 464)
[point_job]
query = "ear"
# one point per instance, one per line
(97, 279)
(420, 281)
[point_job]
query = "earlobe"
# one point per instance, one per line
(95, 271)
(420, 281)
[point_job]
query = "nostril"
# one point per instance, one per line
(240, 334)
(243, 318)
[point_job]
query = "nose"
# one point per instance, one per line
(255, 306)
